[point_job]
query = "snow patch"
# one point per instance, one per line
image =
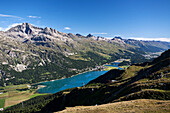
(4, 63)
(19, 67)
(40, 64)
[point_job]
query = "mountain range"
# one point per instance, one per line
(30, 54)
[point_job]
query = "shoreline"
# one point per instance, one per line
(39, 85)
(97, 68)
(93, 69)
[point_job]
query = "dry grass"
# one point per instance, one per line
(109, 68)
(134, 106)
(13, 96)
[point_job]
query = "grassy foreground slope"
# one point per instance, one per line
(134, 106)
(139, 81)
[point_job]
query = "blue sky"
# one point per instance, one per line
(144, 19)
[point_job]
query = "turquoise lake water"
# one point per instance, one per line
(75, 81)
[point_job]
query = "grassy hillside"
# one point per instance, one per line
(134, 106)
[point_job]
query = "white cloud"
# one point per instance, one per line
(33, 16)
(99, 33)
(67, 28)
(151, 39)
(1, 29)
(11, 16)
(10, 26)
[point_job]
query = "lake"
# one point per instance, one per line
(75, 81)
(114, 64)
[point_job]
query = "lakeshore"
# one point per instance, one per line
(77, 80)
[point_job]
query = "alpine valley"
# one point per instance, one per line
(30, 54)
(141, 88)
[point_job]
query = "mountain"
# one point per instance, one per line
(150, 80)
(149, 46)
(30, 54)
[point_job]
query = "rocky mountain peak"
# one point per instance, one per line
(100, 38)
(24, 28)
(117, 37)
(89, 35)
(28, 28)
(78, 35)
(52, 30)
(55, 31)
(26, 24)
(48, 30)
